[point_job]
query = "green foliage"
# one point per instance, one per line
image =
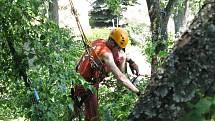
(99, 33)
(202, 110)
(163, 3)
(195, 5)
(116, 102)
(105, 10)
(118, 6)
(114, 5)
(149, 49)
(137, 33)
(137, 28)
(44, 51)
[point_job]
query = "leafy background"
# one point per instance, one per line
(48, 54)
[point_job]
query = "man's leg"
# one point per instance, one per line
(91, 108)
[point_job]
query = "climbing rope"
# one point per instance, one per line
(83, 36)
(86, 42)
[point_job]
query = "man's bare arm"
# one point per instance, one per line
(109, 61)
(123, 60)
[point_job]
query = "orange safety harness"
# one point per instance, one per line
(88, 48)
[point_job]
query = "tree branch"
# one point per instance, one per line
(188, 70)
(18, 62)
(168, 9)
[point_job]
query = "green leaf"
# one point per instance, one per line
(163, 54)
(203, 105)
(193, 116)
(213, 100)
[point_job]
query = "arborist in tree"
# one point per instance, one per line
(94, 65)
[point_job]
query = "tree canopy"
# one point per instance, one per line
(105, 10)
(35, 55)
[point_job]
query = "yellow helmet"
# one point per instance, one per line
(120, 36)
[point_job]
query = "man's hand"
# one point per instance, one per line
(139, 94)
(134, 67)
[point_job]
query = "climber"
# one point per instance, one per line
(104, 57)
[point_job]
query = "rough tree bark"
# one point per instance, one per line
(159, 20)
(186, 72)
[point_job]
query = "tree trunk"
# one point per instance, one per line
(155, 18)
(180, 16)
(159, 20)
(188, 71)
(165, 18)
(53, 11)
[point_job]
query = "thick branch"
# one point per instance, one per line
(168, 9)
(189, 69)
(153, 10)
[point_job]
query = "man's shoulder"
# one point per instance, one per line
(99, 44)
(99, 41)
(100, 47)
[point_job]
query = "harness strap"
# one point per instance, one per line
(86, 42)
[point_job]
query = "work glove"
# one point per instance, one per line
(139, 94)
(134, 67)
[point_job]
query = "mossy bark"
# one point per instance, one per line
(159, 19)
(188, 71)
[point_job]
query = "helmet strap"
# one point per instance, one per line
(113, 44)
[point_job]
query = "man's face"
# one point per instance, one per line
(116, 46)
